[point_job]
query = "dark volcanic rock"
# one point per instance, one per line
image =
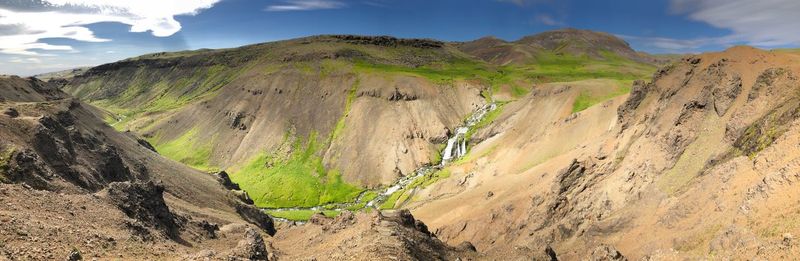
(404, 217)
(256, 216)
(74, 255)
(638, 93)
(551, 253)
(466, 246)
(389, 41)
(144, 202)
(146, 144)
(225, 180)
(11, 112)
(397, 95)
(209, 228)
(252, 247)
(61, 150)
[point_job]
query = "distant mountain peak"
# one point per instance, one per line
(570, 41)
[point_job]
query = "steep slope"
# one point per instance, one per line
(71, 185)
(339, 113)
(368, 236)
(326, 117)
(698, 162)
(65, 74)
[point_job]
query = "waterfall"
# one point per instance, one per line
(456, 148)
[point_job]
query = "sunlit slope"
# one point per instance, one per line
(325, 117)
(702, 153)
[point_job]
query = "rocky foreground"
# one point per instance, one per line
(73, 188)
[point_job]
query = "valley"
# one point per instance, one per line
(564, 145)
(407, 85)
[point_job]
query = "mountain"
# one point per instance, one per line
(72, 184)
(326, 117)
(566, 145)
(73, 187)
(597, 46)
(698, 161)
(64, 74)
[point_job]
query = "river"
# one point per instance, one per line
(456, 148)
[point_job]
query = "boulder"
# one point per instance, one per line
(606, 253)
(11, 112)
(74, 255)
(256, 216)
(144, 201)
(225, 180)
(466, 246)
(252, 247)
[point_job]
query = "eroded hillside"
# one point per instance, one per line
(319, 120)
(699, 161)
(73, 186)
(568, 152)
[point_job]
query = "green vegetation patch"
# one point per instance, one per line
(298, 179)
(5, 158)
(551, 67)
(403, 195)
(148, 91)
(351, 97)
(489, 118)
(440, 73)
(587, 98)
(188, 149)
(762, 133)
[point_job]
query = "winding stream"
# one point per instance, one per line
(456, 148)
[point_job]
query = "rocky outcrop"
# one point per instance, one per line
(389, 41)
(638, 93)
(256, 216)
(225, 180)
(146, 144)
(369, 236)
(61, 150)
(144, 201)
(60, 164)
(766, 81)
(252, 247)
(606, 253)
(11, 112)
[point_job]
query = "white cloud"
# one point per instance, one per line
(25, 60)
(304, 5)
(765, 23)
(548, 20)
(68, 19)
(670, 45)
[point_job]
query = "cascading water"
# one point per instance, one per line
(456, 148)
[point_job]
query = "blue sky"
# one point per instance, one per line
(47, 35)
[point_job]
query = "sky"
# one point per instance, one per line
(39, 36)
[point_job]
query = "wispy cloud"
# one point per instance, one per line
(26, 22)
(377, 3)
(766, 23)
(671, 45)
(548, 20)
(25, 60)
(305, 5)
(763, 23)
